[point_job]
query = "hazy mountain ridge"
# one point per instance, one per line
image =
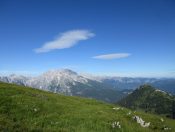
(167, 84)
(68, 82)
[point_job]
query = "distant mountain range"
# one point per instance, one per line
(166, 84)
(150, 99)
(68, 82)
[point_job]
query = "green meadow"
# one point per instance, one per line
(24, 109)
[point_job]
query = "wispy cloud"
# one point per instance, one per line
(112, 56)
(65, 40)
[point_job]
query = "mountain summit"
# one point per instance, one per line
(58, 81)
(68, 82)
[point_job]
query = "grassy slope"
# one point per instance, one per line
(27, 109)
(149, 100)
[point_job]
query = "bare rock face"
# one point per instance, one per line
(141, 121)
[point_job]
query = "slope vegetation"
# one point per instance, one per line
(151, 100)
(27, 109)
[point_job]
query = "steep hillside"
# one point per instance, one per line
(27, 109)
(151, 100)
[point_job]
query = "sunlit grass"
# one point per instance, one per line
(27, 109)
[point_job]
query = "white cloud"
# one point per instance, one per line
(65, 40)
(112, 56)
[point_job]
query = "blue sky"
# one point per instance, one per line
(104, 37)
